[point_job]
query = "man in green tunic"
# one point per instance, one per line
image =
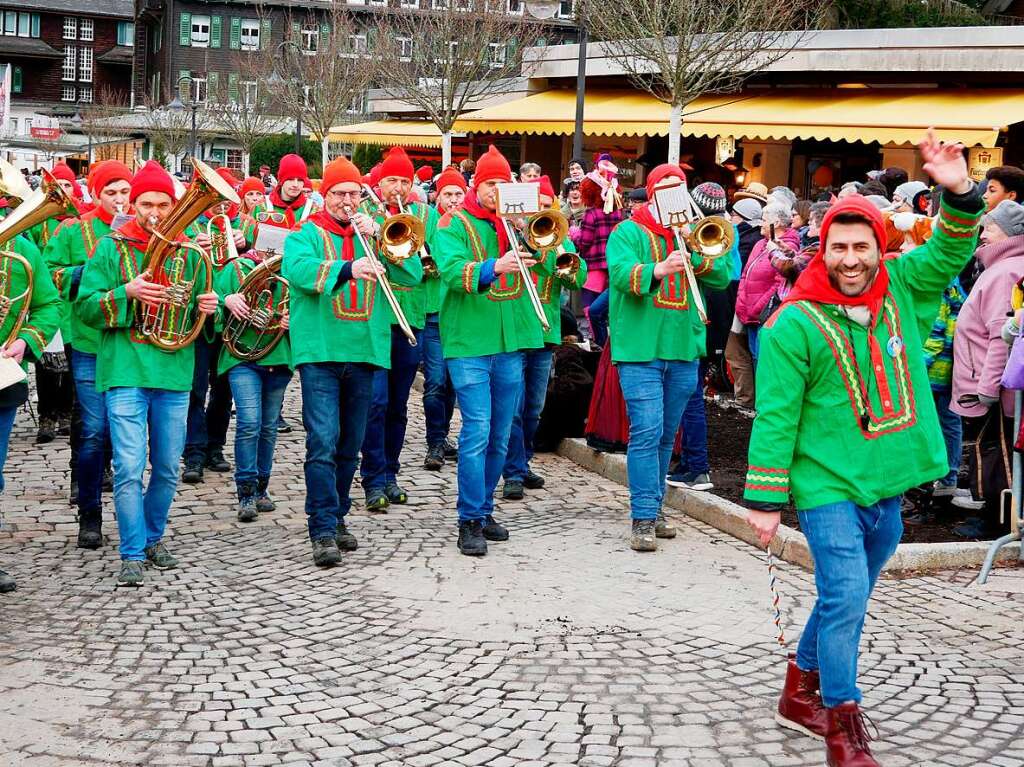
(846, 423)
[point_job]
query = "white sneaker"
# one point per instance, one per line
(939, 490)
(967, 503)
(690, 481)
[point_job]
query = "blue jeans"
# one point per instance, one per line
(6, 424)
(92, 440)
(207, 421)
(258, 392)
(694, 425)
(849, 544)
(388, 417)
(656, 393)
(529, 403)
(138, 416)
(335, 403)
(598, 315)
(952, 432)
(486, 388)
(438, 395)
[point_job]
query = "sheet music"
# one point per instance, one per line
(672, 203)
(270, 239)
(518, 199)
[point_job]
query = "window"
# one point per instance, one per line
(24, 23)
(85, 31)
(200, 37)
(28, 127)
(250, 35)
(497, 57)
(250, 91)
(439, 5)
(233, 159)
(310, 40)
(378, 2)
(410, 3)
(358, 105)
(404, 48)
(69, 70)
(67, 93)
(10, 23)
(70, 28)
(85, 94)
(85, 65)
(199, 89)
(463, 5)
(125, 33)
(356, 46)
(20, 24)
(515, 6)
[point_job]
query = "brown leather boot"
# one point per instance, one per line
(847, 739)
(800, 706)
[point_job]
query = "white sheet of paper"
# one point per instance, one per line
(270, 239)
(518, 199)
(10, 372)
(56, 343)
(672, 202)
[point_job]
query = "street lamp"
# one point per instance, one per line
(176, 105)
(77, 122)
(546, 10)
(275, 81)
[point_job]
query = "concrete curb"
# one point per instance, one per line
(789, 544)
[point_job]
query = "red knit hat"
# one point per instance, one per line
(861, 206)
(62, 172)
(396, 163)
(151, 177)
(251, 184)
(375, 174)
(107, 172)
(450, 178)
(545, 187)
(663, 171)
(292, 166)
(228, 176)
(338, 172)
(424, 173)
(492, 166)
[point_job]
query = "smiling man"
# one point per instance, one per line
(845, 422)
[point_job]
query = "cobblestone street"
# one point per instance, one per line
(561, 647)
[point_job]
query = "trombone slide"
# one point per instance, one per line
(691, 278)
(389, 292)
(524, 273)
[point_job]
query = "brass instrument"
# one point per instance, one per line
(711, 236)
(548, 229)
(222, 242)
(265, 314)
(402, 234)
(12, 183)
(164, 325)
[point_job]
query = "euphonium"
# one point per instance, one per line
(548, 229)
(256, 336)
(711, 236)
(165, 326)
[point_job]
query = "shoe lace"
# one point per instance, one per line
(645, 526)
(853, 724)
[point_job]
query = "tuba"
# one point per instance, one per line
(256, 336)
(46, 202)
(170, 326)
(547, 229)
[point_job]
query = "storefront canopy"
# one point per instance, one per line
(862, 114)
(390, 133)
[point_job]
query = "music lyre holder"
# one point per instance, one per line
(676, 209)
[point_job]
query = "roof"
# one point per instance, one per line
(30, 47)
(119, 54)
(389, 133)
(124, 9)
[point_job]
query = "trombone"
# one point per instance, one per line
(403, 234)
(549, 228)
(524, 274)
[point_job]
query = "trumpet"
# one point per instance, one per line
(222, 242)
(549, 228)
(265, 314)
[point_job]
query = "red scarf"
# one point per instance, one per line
(136, 236)
(646, 219)
(101, 213)
(473, 207)
(813, 285)
(326, 221)
(290, 208)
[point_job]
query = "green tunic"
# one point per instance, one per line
(227, 282)
(830, 429)
(71, 247)
(653, 319)
(414, 299)
(335, 318)
(478, 320)
(43, 317)
(125, 357)
(549, 288)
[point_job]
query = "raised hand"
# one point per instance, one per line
(945, 163)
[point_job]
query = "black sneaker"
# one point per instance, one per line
(7, 583)
(132, 573)
(90, 535)
(533, 481)
(47, 431)
(325, 552)
(193, 473)
(643, 538)
(471, 538)
(493, 530)
(215, 461)
(346, 541)
(395, 494)
(376, 500)
(512, 490)
(451, 450)
(158, 556)
(247, 511)
(435, 457)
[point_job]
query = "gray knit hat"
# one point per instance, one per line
(908, 191)
(749, 210)
(1008, 216)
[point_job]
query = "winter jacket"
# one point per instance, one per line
(979, 352)
(761, 279)
(748, 237)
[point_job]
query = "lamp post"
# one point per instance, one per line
(276, 81)
(176, 105)
(77, 122)
(546, 10)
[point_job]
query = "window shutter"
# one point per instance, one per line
(215, 28)
(510, 50)
(264, 34)
(185, 33)
(296, 31)
(212, 87)
(325, 35)
(34, 31)
(16, 80)
(235, 40)
(233, 87)
(185, 87)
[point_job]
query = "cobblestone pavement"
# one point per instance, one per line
(561, 647)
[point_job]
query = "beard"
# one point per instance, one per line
(853, 287)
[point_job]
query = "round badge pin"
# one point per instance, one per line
(895, 346)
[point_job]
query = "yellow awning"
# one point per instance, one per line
(884, 115)
(389, 133)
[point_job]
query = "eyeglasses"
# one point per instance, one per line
(339, 195)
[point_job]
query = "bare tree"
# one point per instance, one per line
(103, 120)
(680, 50)
(444, 61)
(323, 68)
(172, 128)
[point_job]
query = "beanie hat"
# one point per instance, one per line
(662, 172)
(545, 187)
(152, 177)
(492, 166)
(754, 191)
(396, 163)
(62, 172)
(375, 174)
(861, 206)
(450, 177)
(251, 184)
(907, 191)
(340, 171)
(228, 176)
(424, 173)
(107, 172)
(292, 166)
(710, 198)
(749, 210)
(1008, 216)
